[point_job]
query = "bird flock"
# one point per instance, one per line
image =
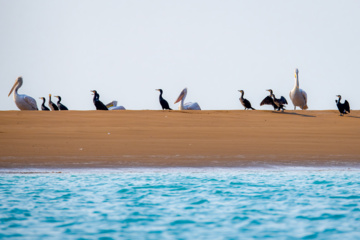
(297, 95)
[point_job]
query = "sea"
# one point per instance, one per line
(180, 203)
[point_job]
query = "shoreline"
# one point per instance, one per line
(171, 139)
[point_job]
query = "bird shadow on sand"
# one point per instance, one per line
(352, 116)
(294, 113)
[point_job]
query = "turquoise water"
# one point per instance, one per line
(181, 204)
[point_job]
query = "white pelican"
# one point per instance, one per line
(113, 106)
(297, 95)
(22, 101)
(186, 106)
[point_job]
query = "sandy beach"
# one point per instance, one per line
(115, 139)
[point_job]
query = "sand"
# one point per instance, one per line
(116, 139)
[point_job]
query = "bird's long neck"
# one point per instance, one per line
(49, 99)
(96, 97)
(160, 96)
(242, 95)
(16, 90)
(59, 100)
(339, 99)
(17, 87)
(296, 81)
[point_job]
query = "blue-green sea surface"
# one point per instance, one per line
(181, 204)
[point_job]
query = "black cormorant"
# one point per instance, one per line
(268, 101)
(163, 102)
(98, 104)
(52, 105)
(245, 102)
(43, 107)
(61, 106)
(344, 108)
(277, 103)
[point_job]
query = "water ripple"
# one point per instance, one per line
(234, 204)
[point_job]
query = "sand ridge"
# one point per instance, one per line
(149, 138)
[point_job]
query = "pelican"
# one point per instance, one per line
(43, 107)
(297, 95)
(113, 106)
(279, 102)
(22, 101)
(164, 104)
(344, 108)
(52, 105)
(60, 105)
(98, 104)
(244, 101)
(186, 106)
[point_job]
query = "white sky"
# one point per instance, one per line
(127, 49)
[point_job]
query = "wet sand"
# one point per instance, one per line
(116, 139)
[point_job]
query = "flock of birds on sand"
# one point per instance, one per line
(297, 96)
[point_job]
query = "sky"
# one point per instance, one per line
(127, 49)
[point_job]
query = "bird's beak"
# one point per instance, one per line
(12, 89)
(180, 97)
(157, 89)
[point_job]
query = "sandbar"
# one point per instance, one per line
(152, 138)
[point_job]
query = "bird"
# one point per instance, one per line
(113, 106)
(59, 105)
(297, 95)
(98, 104)
(244, 101)
(268, 101)
(52, 105)
(344, 108)
(278, 102)
(186, 106)
(43, 107)
(164, 104)
(22, 101)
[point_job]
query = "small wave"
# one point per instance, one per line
(181, 222)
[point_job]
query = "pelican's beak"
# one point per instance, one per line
(12, 89)
(181, 96)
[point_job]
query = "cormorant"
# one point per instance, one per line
(278, 103)
(22, 101)
(245, 102)
(43, 107)
(344, 108)
(268, 101)
(52, 105)
(98, 104)
(164, 104)
(61, 106)
(297, 95)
